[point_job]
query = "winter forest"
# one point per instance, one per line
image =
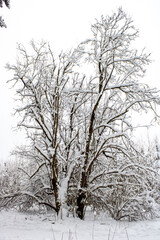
(77, 109)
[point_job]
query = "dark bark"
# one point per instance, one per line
(55, 189)
(81, 204)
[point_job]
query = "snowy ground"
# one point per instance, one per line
(20, 226)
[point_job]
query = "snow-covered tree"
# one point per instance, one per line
(45, 90)
(12, 183)
(78, 123)
(117, 67)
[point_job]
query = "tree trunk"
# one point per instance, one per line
(81, 204)
(57, 202)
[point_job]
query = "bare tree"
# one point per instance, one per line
(78, 125)
(42, 86)
(116, 92)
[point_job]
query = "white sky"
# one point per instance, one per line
(64, 24)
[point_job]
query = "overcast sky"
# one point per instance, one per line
(64, 24)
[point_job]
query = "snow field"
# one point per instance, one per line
(21, 226)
